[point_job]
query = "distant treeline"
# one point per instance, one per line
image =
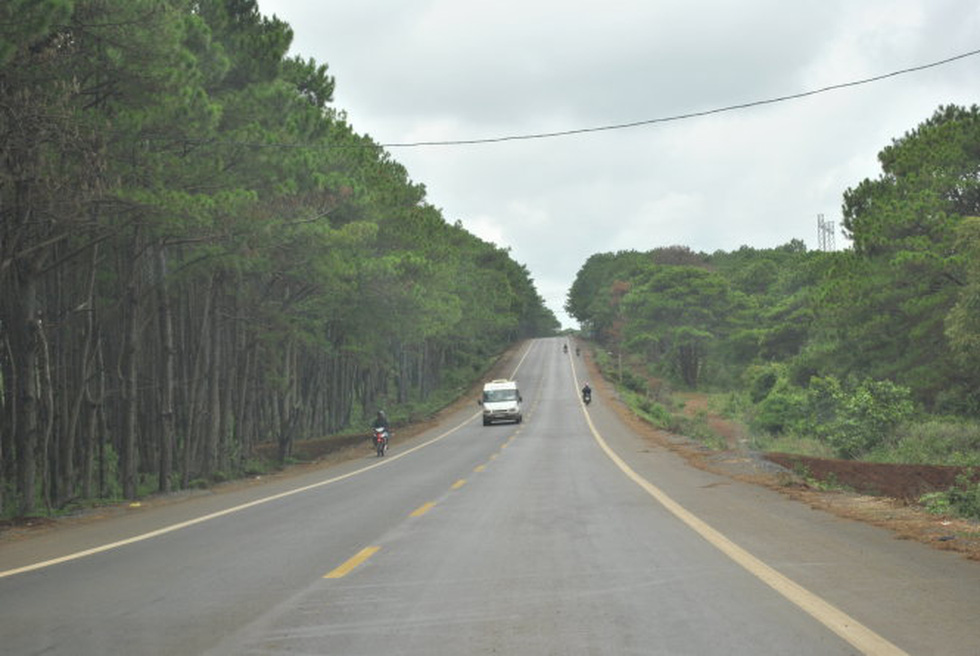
(198, 254)
(862, 336)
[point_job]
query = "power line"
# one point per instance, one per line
(681, 117)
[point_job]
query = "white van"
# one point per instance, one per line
(501, 402)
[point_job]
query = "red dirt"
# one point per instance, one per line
(904, 482)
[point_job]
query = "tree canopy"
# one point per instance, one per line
(198, 254)
(900, 306)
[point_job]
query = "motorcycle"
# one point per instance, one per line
(380, 440)
(587, 396)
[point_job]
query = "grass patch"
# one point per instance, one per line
(697, 428)
(659, 415)
(792, 444)
(934, 441)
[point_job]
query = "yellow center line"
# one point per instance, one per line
(349, 566)
(228, 511)
(458, 484)
(251, 504)
(479, 468)
(421, 510)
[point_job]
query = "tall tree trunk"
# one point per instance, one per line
(213, 428)
(6, 407)
(287, 403)
(128, 439)
(227, 447)
(93, 437)
(25, 343)
(167, 419)
(243, 422)
(46, 409)
(195, 401)
(86, 371)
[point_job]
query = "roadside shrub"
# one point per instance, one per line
(760, 380)
(868, 415)
(852, 420)
(963, 499)
(655, 413)
(936, 503)
(935, 441)
(112, 488)
(824, 400)
(255, 467)
(634, 383)
(782, 411)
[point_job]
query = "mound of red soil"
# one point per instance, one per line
(906, 482)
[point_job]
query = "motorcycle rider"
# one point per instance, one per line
(381, 421)
(586, 393)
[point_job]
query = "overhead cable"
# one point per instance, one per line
(679, 117)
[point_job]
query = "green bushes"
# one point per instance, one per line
(778, 407)
(852, 419)
(868, 415)
(654, 412)
(935, 440)
(761, 381)
(962, 499)
(782, 411)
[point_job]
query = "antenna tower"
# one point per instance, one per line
(825, 234)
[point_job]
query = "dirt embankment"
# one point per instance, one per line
(906, 483)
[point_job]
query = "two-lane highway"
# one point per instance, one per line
(561, 535)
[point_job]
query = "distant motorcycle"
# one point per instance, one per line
(380, 440)
(586, 396)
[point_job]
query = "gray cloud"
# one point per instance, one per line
(446, 70)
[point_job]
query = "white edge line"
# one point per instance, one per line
(852, 631)
(228, 511)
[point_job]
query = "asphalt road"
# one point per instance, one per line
(565, 534)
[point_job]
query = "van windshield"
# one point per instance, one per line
(496, 396)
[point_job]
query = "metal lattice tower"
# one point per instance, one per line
(825, 234)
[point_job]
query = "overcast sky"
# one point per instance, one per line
(443, 70)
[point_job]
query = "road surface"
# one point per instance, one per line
(565, 534)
